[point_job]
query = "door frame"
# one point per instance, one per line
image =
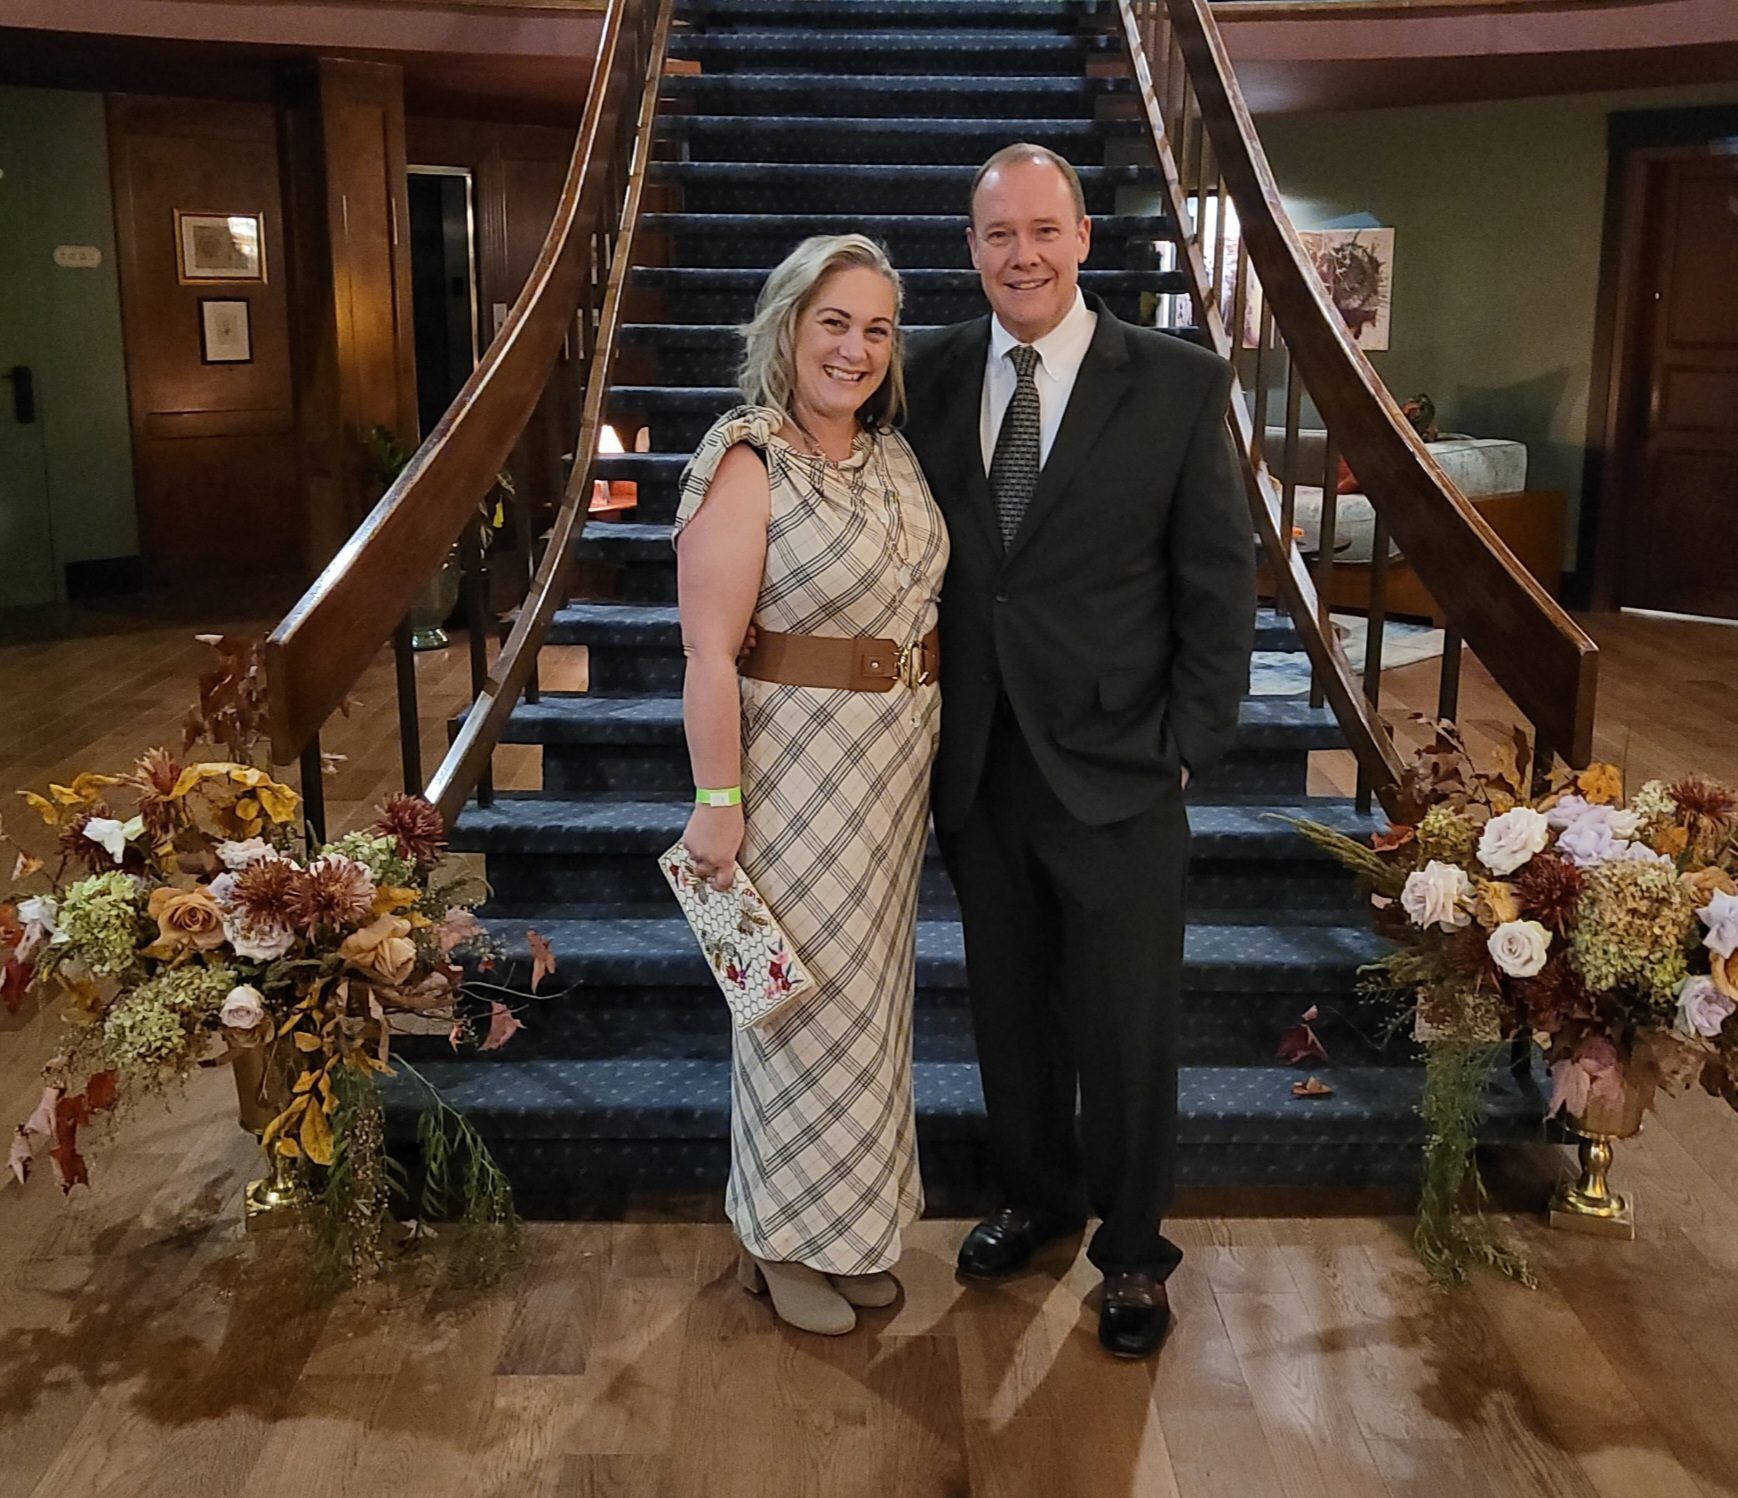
(1637, 143)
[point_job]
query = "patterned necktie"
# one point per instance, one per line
(1014, 465)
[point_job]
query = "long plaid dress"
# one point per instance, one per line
(835, 788)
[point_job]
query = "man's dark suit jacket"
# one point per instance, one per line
(1119, 621)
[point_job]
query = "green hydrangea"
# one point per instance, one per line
(152, 1026)
(1447, 836)
(99, 922)
(378, 853)
(1636, 921)
(1653, 803)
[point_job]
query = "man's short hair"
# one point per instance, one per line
(1026, 151)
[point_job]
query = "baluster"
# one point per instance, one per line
(1288, 488)
(409, 720)
(474, 585)
(1263, 332)
(1448, 689)
(1200, 175)
(1220, 218)
(1374, 629)
(313, 795)
(1239, 296)
(523, 536)
(1171, 102)
(1324, 568)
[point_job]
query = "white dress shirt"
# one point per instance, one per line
(1060, 352)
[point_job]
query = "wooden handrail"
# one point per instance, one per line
(1534, 650)
(468, 757)
(315, 655)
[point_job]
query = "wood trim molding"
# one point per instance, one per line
(1319, 10)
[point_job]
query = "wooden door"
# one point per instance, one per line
(1680, 463)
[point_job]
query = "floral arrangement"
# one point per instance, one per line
(182, 926)
(1603, 928)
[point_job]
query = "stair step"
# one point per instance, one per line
(811, 187)
(657, 626)
(579, 718)
(727, 294)
(806, 137)
(640, 946)
(690, 1099)
(988, 96)
(937, 240)
(857, 13)
(532, 823)
(905, 50)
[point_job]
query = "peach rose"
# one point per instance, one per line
(187, 918)
(1725, 973)
(383, 949)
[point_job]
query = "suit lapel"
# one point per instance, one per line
(961, 388)
(1100, 385)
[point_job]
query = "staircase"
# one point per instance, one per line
(813, 116)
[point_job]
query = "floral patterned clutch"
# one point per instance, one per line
(747, 952)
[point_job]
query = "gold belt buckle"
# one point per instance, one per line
(910, 666)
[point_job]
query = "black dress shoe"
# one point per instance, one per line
(1004, 1244)
(1134, 1315)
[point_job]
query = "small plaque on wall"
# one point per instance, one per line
(225, 331)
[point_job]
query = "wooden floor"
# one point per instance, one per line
(148, 1347)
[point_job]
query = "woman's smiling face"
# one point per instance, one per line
(844, 343)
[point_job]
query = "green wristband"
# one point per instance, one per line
(729, 797)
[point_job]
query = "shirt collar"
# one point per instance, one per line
(1062, 348)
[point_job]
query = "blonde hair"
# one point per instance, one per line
(768, 375)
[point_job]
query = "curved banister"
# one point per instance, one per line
(468, 757)
(318, 651)
(1533, 649)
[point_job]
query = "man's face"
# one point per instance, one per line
(1027, 245)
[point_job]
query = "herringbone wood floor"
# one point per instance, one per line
(147, 1347)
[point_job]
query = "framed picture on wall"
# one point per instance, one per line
(225, 331)
(220, 247)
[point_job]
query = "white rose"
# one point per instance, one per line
(1510, 840)
(1519, 947)
(238, 856)
(1568, 811)
(1702, 1008)
(1720, 916)
(243, 1007)
(1433, 896)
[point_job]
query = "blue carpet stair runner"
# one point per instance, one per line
(822, 116)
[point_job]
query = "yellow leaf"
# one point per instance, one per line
(391, 897)
(307, 1042)
(289, 1149)
(42, 806)
(278, 801)
(247, 807)
(316, 1137)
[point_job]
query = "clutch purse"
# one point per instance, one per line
(750, 957)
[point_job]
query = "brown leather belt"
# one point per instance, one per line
(850, 664)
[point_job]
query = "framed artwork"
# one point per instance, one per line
(1356, 267)
(225, 331)
(220, 247)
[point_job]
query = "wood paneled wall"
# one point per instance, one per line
(215, 453)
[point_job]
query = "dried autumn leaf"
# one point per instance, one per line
(102, 1091)
(316, 1136)
(1397, 836)
(69, 1166)
(504, 1024)
(1301, 1043)
(27, 865)
(15, 979)
(1311, 1087)
(22, 1155)
(542, 959)
(42, 806)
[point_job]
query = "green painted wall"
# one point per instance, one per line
(57, 193)
(1498, 211)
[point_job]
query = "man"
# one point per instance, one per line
(1096, 624)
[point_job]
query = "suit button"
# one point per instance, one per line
(1001, 598)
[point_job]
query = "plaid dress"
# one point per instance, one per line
(835, 788)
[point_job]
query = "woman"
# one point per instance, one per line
(804, 514)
